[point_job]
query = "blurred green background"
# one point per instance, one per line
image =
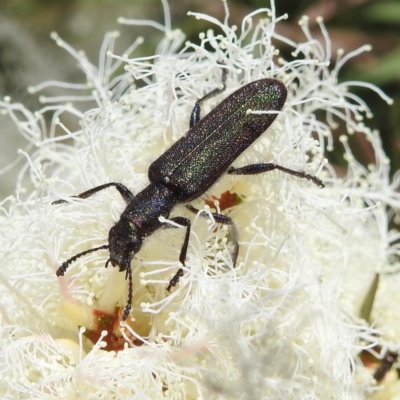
(28, 55)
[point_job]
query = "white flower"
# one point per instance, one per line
(285, 322)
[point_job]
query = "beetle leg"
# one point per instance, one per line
(254, 169)
(182, 257)
(195, 115)
(225, 220)
(126, 194)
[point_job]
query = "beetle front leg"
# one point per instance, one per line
(225, 220)
(254, 169)
(126, 194)
(182, 257)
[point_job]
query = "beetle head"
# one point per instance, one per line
(124, 241)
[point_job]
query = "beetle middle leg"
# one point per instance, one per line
(219, 218)
(254, 169)
(195, 115)
(225, 220)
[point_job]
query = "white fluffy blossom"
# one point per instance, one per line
(284, 323)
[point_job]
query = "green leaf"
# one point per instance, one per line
(382, 12)
(386, 69)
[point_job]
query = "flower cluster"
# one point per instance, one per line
(284, 323)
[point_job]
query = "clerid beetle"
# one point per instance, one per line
(188, 168)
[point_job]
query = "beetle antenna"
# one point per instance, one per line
(128, 305)
(64, 265)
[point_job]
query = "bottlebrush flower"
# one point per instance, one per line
(285, 322)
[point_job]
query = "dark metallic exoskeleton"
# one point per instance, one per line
(188, 168)
(385, 366)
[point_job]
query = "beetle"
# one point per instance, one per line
(188, 169)
(385, 366)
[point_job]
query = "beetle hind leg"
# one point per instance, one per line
(255, 169)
